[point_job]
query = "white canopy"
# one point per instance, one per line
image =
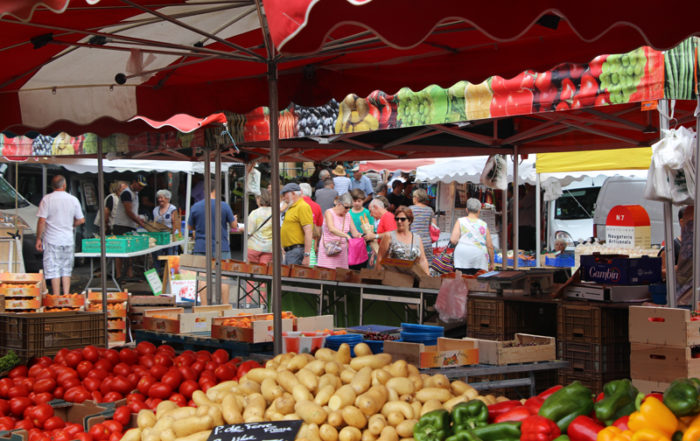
(89, 165)
(468, 169)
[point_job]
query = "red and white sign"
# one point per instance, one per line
(628, 226)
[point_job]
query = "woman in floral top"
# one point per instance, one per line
(474, 251)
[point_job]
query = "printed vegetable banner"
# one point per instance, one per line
(643, 74)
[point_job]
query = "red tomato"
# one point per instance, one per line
(112, 356)
(35, 370)
(184, 360)
(133, 379)
(172, 378)
(17, 391)
(104, 364)
(146, 361)
(39, 414)
(99, 432)
(187, 387)
(122, 369)
(74, 357)
(99, 374)
(19, 371)
(72, 429)
(167, 349)
(128, 356)
(83, 436)
(152, 403)
(84, 368)
(244, 367)
(91, 383)
(225, 372)
(24, 424)
(121, 384)
(206, 384)
(5, 385)
(69, 382)
(178, 399)
(7, 422)
(111, 397)
(43, 397)
(145, 347)
(198, 366)
(24, 381)
(44, 385)
(145, 383)
(60, 356)
(113, 426)
(106, 385)
(188, 373)
(58, 392)
(122, 414)
(4, 407)
(220, 356)
(45, 361)
(66, 373)
(76, 394)
(115, 436)
(54, 422)
(90, 353)
(135, 396)
(139, 370)
(211, 366)
(46, 373)
(163, 359)
(97, 396)
(137, 405)
(160, 390)
(158, 370)
(61, 435)
(207, 376)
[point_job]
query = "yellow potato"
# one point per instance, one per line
(193, 424)
(398, 368)
(350, 433)
(405, 428)
(368, 436)
(167, 435)
(247, 387)
(417, 408)
(163, 423)
(354, 417)
(328, 433)
(374, 361)
(230, 410)
(200, 399)
(145, 419)
(181, 412)
(164, 406)
(199, 436)
(380, 376)
(310, 412)
(362, 380)
(325, 354)
(395, 418)
(270, 390)
(148, 434)
(308, 379)
(331, 367)
(132, 435)
(401, 385)
(287, 380)
(398, 406)
(259, 374)
(343, 397)
(329, 379)
(459, 387)
(430, 405)
(316, 366)
(347, 374)
(439, 380)
(343, 354)
(376, 423)
(284, 404)
(362, 349)
(452, 402)
(417, 381)
(389, 434)
(297, 362)
(301, 393)
(324, 394)
(335, 418)
(429, 393)
(372, 401)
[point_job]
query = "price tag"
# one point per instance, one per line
(267, 431)
(154, 281)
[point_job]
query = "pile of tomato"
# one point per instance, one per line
(145, 376)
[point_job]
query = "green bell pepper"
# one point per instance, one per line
(562, 438)
(469, 415)
(618, 401)
(433, 426)
(464, 435)
(508, 431)
(683, 397)
(567, 403)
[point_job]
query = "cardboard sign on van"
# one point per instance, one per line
(628, 226)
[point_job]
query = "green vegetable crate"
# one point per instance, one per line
(162, 237)
(119, 244)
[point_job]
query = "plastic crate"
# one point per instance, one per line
(593, 358)
(593, 381)
(91, 245)
(491, 316)
(127, 244)
(377, 346)
(162, 237)
(39, 334)
(592, 324)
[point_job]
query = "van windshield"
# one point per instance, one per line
(576, 204)
(7, 196)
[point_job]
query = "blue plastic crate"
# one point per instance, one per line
(427, 329)
(379, 329)
(658, 293)
(523, 263)
(560, 261)
(419, 337)
(377, 346)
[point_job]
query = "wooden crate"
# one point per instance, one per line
(662, 363)
(663, 326)
(139, 304)
(531, 348)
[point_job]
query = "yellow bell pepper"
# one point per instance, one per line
(654, 415)
(613, 433)
(692, 433)
(649, 435)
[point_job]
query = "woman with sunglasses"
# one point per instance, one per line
(402, 243)
(336, 230)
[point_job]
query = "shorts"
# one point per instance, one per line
(58, 260)
(119, 230)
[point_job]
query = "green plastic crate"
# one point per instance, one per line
(119, 244)
(162, 237)
(91, 245)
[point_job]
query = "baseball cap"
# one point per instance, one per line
(356, 168)
(292, 186)
(141, 179)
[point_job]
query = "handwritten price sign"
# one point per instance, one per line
(268, 431)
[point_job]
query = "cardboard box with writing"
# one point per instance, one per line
(525, 348)
(314, 323)
(662, 363)
(260, 330)
(139, 304)
(176, 321)
(663, 326)
(193, 261)
(31, 289)
(257, 268)
(448, 352)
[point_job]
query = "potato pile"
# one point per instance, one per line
(339, 398)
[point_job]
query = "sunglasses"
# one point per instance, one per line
(400, 219)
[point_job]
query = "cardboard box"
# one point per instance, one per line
(192, 260)
(347, 275)
(371, 274)
(325, 273)
(648, 386)
(302, 272)
(314, 323)
(663, 326)
(260, 330)
(96, 296)
(175, 321)
(21, 277)
(662, 363)
(449, 352)
(532, 348)
(395, 278)
(21, 290)
(150, 301)
(403, 265)
(617, 269)
(475, 285)
(430, 282)
(285, 270)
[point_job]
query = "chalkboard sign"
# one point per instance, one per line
(267, 431)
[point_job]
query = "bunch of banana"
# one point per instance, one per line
(356, 115)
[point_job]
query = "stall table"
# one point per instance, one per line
(112, 256)
(202, 341)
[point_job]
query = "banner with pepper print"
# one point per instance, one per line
(643, 74)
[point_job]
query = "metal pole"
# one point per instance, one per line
(696, 229)
(246, 207)
(207, 221)
(504, 230)
(516, 208)
(275, 179)
(217, 226)
(538, 222)
(103, 235)
(188, 196)
(44, 180)
(668, 224)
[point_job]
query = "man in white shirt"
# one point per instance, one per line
(59, 213)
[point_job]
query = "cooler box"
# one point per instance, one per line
(614, 269)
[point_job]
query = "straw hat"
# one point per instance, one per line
(339, 171)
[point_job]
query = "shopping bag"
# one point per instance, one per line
(434, 232)
(357, 251)
(495, 174)
(442, 263)
(332, 247)
(451, 303)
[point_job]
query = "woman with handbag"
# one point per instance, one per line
(474, 250)
(260, 230)
(402, 243)
(338, 228)
(423, 216)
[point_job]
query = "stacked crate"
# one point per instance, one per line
(116, 313)
(22, 291)
(593, 338)
(70, 302)
(665, 343)
(138, 304)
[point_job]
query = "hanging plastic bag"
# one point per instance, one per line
(658, 185)
(434, 232)
(451, 303)
(495, 174)
(357, 251)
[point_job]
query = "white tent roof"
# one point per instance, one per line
(468, 169)
(89, 165)
(566, 178)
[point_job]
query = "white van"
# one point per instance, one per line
(570, 217)
(625, 191)
(27, 214)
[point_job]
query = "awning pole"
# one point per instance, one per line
(503, 240)
(246, 208)
(696, 227)
(275, 180)
(103, 236)
(207, 222)
(668, 224)
(538, 222)
(516, 208)
(188, 196)
(217, 227)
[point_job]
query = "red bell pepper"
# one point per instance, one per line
(583, 428)
(546, 393)
(502, 407)
(538, 428)
(621, 423)
(517, 414)
(533, 404)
